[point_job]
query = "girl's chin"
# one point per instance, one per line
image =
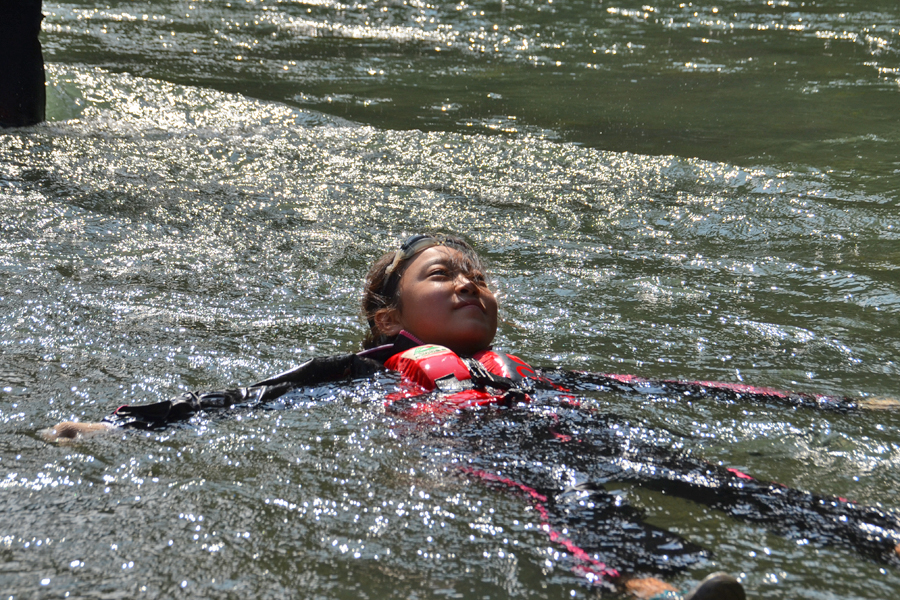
(463, 338)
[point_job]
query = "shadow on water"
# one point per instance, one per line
(810, 84)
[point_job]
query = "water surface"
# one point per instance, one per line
(702, 191)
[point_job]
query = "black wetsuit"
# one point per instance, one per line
(560, 455)
(571, 455)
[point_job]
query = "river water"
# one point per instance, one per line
(697, 190)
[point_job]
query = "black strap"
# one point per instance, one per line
(482, 378)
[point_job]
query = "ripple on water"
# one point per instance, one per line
(169, 237)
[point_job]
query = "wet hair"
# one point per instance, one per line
(382, 287)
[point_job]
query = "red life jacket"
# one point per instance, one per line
(486, 378)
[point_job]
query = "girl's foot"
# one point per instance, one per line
(645, 588)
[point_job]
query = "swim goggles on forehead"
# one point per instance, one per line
(415, 244)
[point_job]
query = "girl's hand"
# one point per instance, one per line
(70, 430)
(879, 403)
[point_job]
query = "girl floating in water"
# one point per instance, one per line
(432, 317)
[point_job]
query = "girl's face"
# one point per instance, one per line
(443, 303)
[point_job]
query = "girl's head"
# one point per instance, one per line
(435, 288)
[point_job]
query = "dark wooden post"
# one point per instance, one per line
(23, 95)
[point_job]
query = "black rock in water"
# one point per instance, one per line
(23, 96)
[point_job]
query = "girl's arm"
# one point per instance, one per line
(729, 392)
(181, 408)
